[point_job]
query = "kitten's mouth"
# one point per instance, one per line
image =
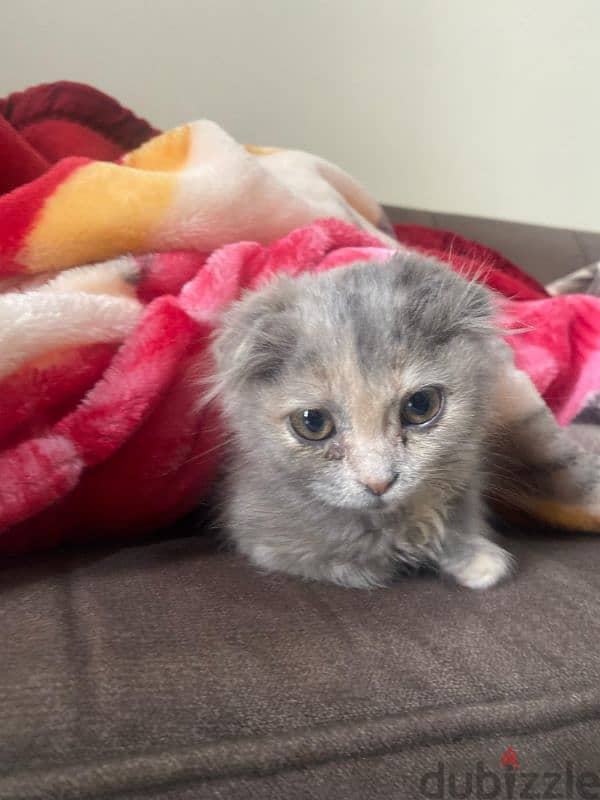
(378, 505)
(383, 506)
(377, 502)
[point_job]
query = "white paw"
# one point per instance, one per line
(484, 569)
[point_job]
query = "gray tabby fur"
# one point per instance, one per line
(356, 340)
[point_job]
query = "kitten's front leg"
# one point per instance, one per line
(469, 556)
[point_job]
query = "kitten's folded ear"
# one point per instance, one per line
(256, 337)
(439, 302)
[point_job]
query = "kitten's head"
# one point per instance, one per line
(360, 385)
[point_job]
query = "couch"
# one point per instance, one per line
(171, 669)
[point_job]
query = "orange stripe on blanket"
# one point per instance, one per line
(527, 512)
(561, 515)
(166, 153)
(101, 211)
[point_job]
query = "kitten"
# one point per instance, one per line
(358, 403)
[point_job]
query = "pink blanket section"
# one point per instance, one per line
(116, 441)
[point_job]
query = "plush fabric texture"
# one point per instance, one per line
(46, 123)
(582, 281)
(192, 187)
(101, 429)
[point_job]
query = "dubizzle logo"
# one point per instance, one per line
(509, 782)
(509, 757)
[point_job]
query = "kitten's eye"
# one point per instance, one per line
(314, 424)
(422, 407)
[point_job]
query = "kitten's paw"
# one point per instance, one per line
(484, 568)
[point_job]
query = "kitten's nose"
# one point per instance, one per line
(379, 487)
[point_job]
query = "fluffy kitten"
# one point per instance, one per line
(358, 403)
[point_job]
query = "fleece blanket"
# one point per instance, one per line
(114, 269)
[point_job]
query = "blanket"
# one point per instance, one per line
(114, 269)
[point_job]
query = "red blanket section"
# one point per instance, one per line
(40, 126)
(108, 441)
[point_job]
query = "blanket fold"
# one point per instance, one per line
(114, 269)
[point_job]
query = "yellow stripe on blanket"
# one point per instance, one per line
(101, 211)
(166, 153)
(258, 150)
(561, 515)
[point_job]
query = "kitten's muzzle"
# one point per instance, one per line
(380, 487)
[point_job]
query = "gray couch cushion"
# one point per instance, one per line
(174, 670)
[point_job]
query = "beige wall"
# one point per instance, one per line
(469, 106)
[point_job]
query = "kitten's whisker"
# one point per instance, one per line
(197, 457)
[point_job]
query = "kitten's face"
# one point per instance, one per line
(363, 385)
